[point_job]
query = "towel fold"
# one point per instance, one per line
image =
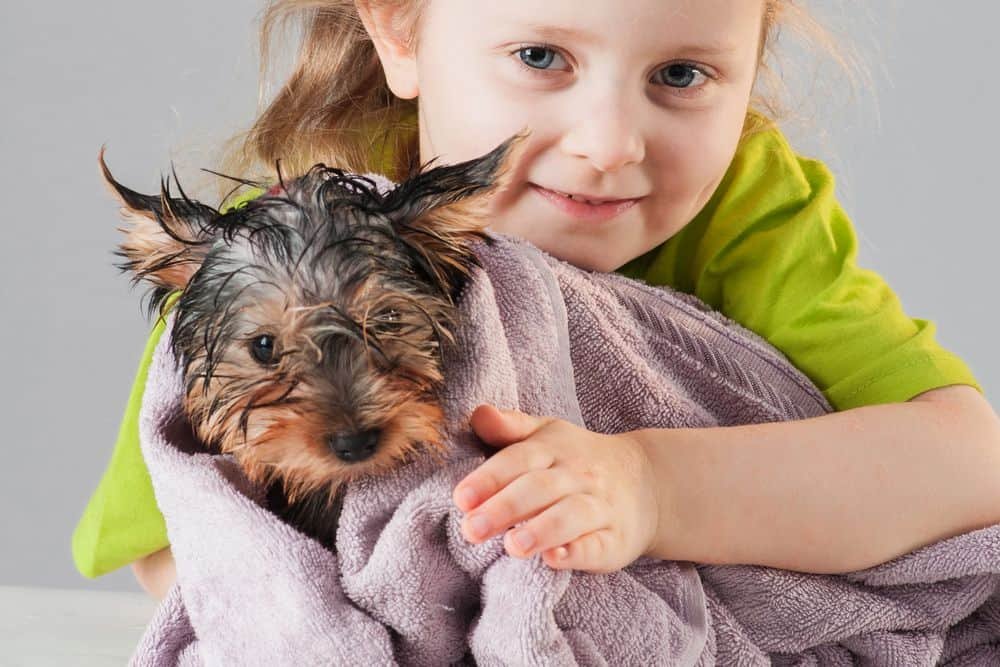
(598, 350)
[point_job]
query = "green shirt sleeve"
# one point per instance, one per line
(122, 522)
(774, 251)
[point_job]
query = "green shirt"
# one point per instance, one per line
(771, 250)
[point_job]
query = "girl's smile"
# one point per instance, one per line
(584, 207)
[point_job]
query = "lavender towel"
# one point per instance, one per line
(405, 588)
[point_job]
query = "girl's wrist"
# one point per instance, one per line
(156, 573)
(661, 450)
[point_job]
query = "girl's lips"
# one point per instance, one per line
(582, 210)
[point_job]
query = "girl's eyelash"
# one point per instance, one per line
(536, 71)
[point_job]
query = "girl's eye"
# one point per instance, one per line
(537, 57)
(262, 349)
(680, 75)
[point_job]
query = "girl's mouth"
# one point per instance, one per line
(582, 209)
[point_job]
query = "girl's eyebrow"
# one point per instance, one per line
(555, 33)
(558, 34)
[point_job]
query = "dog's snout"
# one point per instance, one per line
(354, 447)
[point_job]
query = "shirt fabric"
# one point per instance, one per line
(772, 250)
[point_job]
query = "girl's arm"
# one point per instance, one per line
(156, 572)
(831, 494)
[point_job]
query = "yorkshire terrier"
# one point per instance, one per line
(311, 320)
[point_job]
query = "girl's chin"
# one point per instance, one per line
(582, 258)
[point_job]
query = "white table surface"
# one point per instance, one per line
(51, 626)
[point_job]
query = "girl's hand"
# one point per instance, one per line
(588, 499)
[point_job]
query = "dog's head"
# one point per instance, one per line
(310, 319)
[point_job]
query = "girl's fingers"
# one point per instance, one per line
(565, 521)
(500, 470)
(523, 498)
(589, 553)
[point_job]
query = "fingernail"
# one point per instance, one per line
(479, 525)
(524, 539)
(561, 553)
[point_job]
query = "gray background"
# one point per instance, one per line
(161, 81)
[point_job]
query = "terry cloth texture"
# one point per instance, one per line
(601, 351)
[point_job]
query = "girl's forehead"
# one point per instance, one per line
(711, 26)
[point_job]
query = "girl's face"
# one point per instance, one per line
(638, 100)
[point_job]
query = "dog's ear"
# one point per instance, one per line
(439, 212)
(167, 238)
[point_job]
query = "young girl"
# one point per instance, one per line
(647, 106)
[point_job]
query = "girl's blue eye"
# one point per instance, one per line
(536, 57)
(679, 75)
(539, 58)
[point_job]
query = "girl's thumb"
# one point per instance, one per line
(502, 427)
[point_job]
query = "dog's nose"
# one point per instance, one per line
(354, 447)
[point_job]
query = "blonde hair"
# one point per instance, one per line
(337, 108)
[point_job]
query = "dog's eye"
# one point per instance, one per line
(262, 349)
(390, 320)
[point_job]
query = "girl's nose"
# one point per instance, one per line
(606, 134)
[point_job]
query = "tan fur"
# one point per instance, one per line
(146, 244)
